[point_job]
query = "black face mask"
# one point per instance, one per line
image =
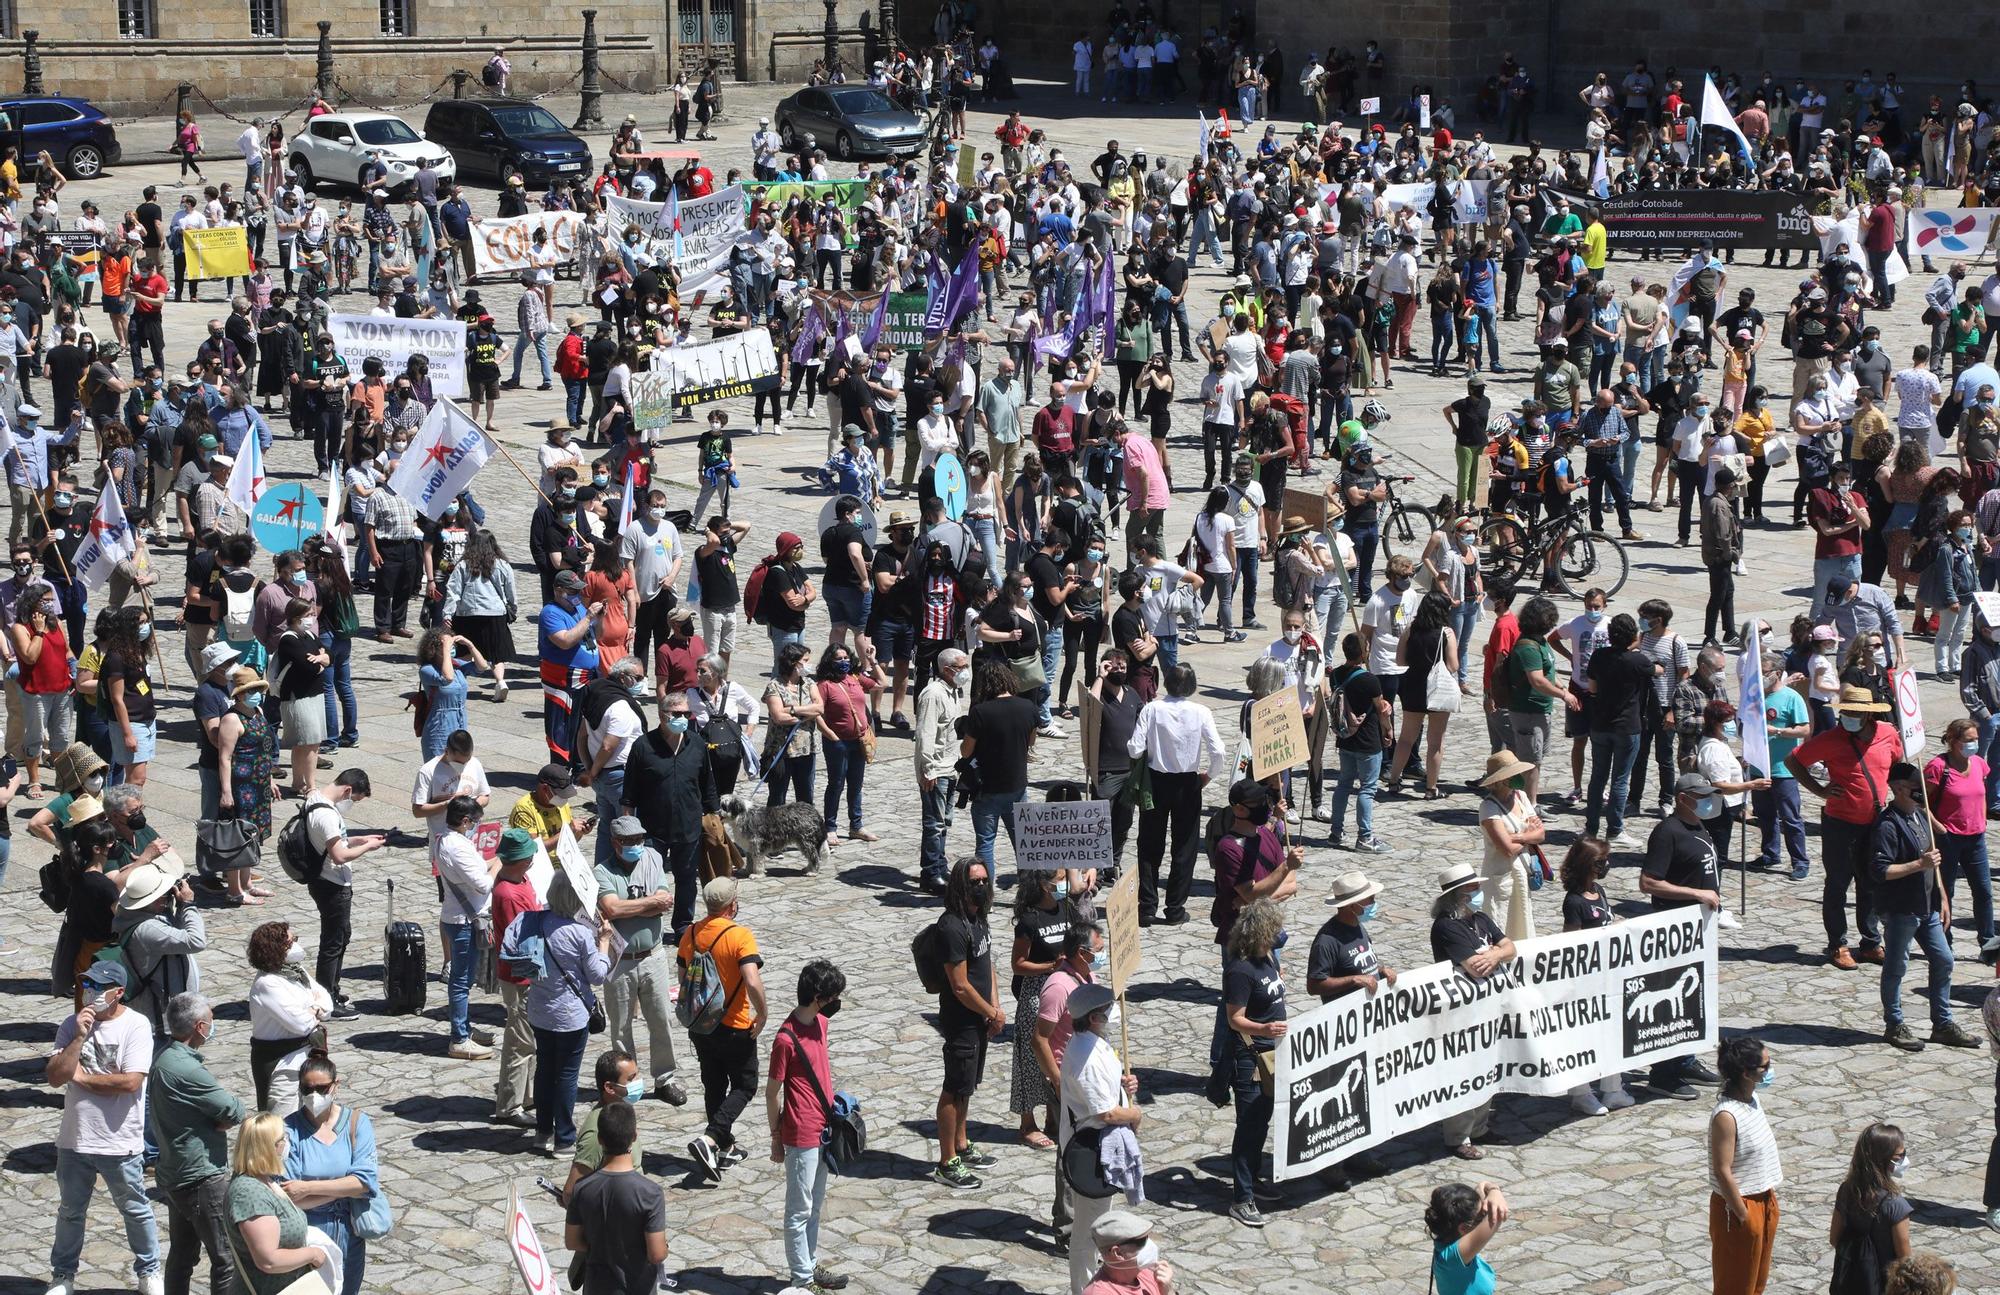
(981, 893)
(136, 821)
(831, 1009)
(1258, 816)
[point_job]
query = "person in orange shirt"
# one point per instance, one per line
(114, 275)
(728, 1052)
(371, 392)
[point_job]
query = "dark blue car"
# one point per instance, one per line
(72, 131)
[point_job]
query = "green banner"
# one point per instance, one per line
(903, 324)
(847, 194)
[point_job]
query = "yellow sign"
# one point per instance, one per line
(216, 253)
(1277, 733)
(1121, 917)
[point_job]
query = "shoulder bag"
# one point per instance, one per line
(596, 1022)
(224, 845)
(485, 971)
(370, 1215)
(844, 1137)
(1083, 1161)
(1441, 692)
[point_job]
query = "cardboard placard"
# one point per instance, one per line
(1121, 928)
(1909, 711)
(1062, 834)
(526, 1247)
(1277, 733)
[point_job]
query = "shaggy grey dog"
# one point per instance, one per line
(760, 831)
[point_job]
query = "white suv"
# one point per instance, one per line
(340, 147)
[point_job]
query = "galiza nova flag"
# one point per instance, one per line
(109, 542)
(246, 479)
(447, 453)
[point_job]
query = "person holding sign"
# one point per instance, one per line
(1904, 866)
(1095, 1098)
(1343, 962)
(1463, 935)
(1857, 756)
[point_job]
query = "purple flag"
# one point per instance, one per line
(962, 294)
(810, 331)
(1106, 306)
(936, 292)
(873, 330)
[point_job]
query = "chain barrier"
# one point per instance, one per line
(574, 77)
(150, 110)
(609, 79)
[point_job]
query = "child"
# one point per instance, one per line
(1468, 333)
(1585, 908)
(1736, 370)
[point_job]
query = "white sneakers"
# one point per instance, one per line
(468, 1050)
(1727, 920)
(64, 1288)
(153, 1283)
(1618, 1099)
(1586, 1103)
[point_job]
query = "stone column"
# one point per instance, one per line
(832, 38)
(31, 62)
(458, 79)
(887, 18)
(590, 113)
(323, 74)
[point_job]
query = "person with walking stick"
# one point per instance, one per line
(1912, 905)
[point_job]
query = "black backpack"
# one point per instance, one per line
(1857, 1264)
(927, 951)
(296, 855)
(489, 75)
(725, 741)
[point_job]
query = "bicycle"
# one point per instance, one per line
(1405, 527)
(1563, 547)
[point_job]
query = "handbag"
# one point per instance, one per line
(308, 1282)
(1083, 1161)
(1778, 450)
(224, 844)
(370, 1216)
(596, 1009)
(485, 964)
(1441, 694)
(845, 1135)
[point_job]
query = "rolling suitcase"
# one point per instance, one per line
(404, 966)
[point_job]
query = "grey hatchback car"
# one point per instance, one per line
(849, 121)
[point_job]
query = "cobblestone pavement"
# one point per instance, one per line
(1600, 1206)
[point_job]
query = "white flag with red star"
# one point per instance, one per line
(441, 461)
(246, 479)
(109, 542)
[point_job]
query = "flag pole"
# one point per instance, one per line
(525, 475)
(69, 577)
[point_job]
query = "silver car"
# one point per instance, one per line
(849, 121)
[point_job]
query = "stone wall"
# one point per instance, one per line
(209, 46)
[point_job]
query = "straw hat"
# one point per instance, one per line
(145, 884)
(1855, 699)
(1353, 888)
(1455, 875)
(1296, 525)
(1502, 765)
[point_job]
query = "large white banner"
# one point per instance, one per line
(394, 341)
(1362, 1069)
(708, 227)
(1470, 205)
(504, 244)
(737, 365)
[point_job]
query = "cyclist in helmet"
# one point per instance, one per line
(1352, 434)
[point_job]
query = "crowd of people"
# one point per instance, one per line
(1023, 577)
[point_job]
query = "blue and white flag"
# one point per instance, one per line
(625, 508)
(109, 542)
(1714, 112)
(443, 458)
(1600, 172)
(1750, 714)
(1201, 138)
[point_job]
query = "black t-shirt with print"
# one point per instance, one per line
(1340, 950)
(1682, 855)
(1586, 912)
(1454, 939)
(966, 940)
(1255, 985)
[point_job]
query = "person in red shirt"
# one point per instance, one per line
(1500, 641)
(797, 1093)
(1878, 240)
(1857, 755)
(1055, 431)
(675, 659)
(1013, 135)
(573, 369)
(1839, 518)
(149, 297)
(514, 895)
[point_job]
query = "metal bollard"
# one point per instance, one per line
(31, 62)
(323, 71)
(590, 111)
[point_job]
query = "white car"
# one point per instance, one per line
(340, 148)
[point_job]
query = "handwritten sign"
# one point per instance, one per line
(1277, 733)
(652, 397)
(526, 1247)
(1063, 834)
(1909, 711)
(1121, 918)
(570, 858)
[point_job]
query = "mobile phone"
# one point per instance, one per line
(8, 769)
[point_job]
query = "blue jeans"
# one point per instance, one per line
(458, 982)
(539, 343)
(1611, 757)
(1224, 585)
(1489, 333)
(1365, 539)
(805, 1198)
(1330, 605)
(558, 1059)
(1464, 619)
(76, 1179)
(1202, 235)
(779, 638)
(1169, 654)
(1962, 854)
(988, 535)
(988, 813)
(1780, 816)
(1825, 569)
(845, 766)
(609, 785)
(1052, 655)
(1246, 112)
(1358, 773)
(1628, 463)
(1253, 1123)
(936, 824)
(1897, 931)
(336, 684)
(6, 848)
(574, 390)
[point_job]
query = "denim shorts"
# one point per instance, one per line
(894, 640)
(147, 733)
(847, 606)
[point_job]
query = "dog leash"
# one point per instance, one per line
(775, 758)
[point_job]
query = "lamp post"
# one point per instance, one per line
(832, 38)
(323, 73)
(31, 62)
(589, 112)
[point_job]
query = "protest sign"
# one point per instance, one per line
(1987, 604)
(1728, 218)
(1468, 199)
(1062, 834)
(903, 323)
(79, 243)
(220, 253)
(1909, 711)
(1953, 232)
(393, 341)
(526, 1247)
(692, 236)
(1277, 733)
(570, 858)
(740, 364)
(1371, 107)
(1121, 929)
(1090, 718)
(652, 395)
(778, 194)
(1567, 1009)
(505, 244)
(286, 516)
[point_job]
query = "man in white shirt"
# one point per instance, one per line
(1184, 752)
(652, 550)
(455, 772)
(103, 1125)
(251, 145)
(1096, 1094)
(607, 739)
(467, 880)
(1084, 55)
(1399, 280)
(1157, 599)
(1384, 619)
(764, 146)
(1221, 415)
(332, 891)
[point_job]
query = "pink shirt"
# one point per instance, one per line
(1142, 456)
(1055, 1007)
(1958, 799)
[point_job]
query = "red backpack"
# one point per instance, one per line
(753, 590)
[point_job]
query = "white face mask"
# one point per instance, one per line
(296, 953)
(315, 1104)
(1294, 635)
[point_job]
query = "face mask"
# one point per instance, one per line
(1370, 913)
(1964, 535)
(1770, 1073)
(635, 1090)
(631, 853)
(451, 510)
(1900, 1166)
(657, 514)
(566, 494)
(1852, 723)
(1478, 901)
(94, 784)
(1707, 807)
(315, 1104)
(295, 953)
(1060, 890)
(1228, 310)
(145, 630)
(1095, 555)
(300, 577)
(677, 723)
(981, 893)
(249, 701)
(936, 409)
(1400, 584)
(1294, 635)
(566, 517)
(64, 501)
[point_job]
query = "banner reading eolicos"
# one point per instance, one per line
(507, 243)
(394, 341)
(1568, 1009)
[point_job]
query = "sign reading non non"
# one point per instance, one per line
(1565, 1010)
(1062, 834)
(393, 341)
(1121, 922)
(1277, 733)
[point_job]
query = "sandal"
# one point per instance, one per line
(1039, 1140)
(34, 791)
(868, 837)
